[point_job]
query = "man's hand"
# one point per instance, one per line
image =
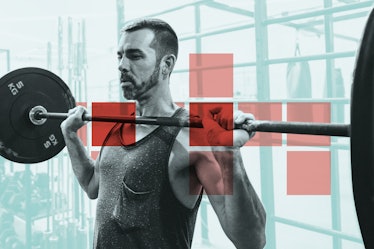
(219, 124)
(74, 121)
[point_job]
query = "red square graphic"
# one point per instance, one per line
(211, 75)
(308, 112)
(180, 104)
(82, 132)
(215, 174)
(110, 109)
(95, 154)
(264, 111)
(214, 135)
(308, 173)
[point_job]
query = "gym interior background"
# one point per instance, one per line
(289, 57)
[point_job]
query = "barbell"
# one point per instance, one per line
(31, 133)
(34, 101)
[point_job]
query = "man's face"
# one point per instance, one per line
(138, 67)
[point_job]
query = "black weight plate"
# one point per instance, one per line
(20, 90)
(362, 134)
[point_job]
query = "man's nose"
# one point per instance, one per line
(124, 64)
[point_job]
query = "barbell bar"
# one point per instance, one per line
(29, 133)
(38, 115)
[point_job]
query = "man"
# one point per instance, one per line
(149, 191)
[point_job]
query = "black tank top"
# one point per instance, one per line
(136, 206)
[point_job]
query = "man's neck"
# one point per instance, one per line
(158, 103)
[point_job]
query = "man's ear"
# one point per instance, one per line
(167, 64)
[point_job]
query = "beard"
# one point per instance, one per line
(133, 91)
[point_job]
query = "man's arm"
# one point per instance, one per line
(233, 198)
(229, 190)
(83, 166)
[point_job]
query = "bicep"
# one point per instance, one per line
(210, 175)
(208, 172)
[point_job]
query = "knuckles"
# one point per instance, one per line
(220, 128)
(74, 120)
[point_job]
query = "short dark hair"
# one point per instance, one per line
(165, 40)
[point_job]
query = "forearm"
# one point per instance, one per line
(82, 164)
(242, 214)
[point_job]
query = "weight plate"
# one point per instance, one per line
(20, 90)
(362, 134)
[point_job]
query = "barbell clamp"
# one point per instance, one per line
(34, 115)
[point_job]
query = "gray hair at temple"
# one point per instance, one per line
(165, 40)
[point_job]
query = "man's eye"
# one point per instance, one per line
(135, 57)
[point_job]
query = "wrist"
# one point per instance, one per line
(68, 133)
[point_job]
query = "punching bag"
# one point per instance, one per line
(299, 83)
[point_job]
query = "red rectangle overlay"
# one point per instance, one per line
(180, 104)
(214, 171)
(264, 111)
(95, 154)
(211, 75)
(308, 112)
(214, 134)
(110, 109)
(308, 173)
